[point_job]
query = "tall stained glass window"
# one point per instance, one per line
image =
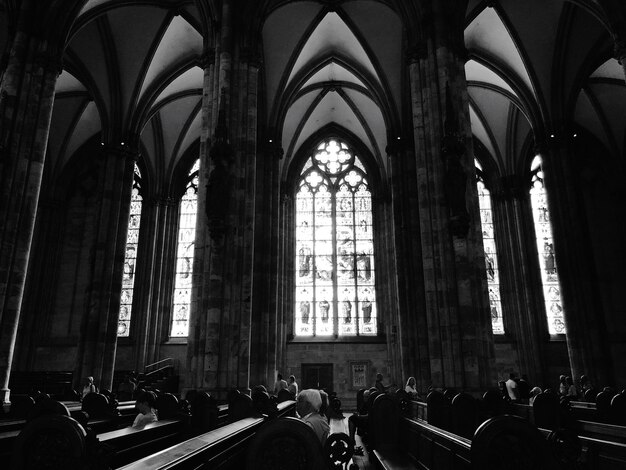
(545, 248)
(184, 255)
(491, 258)
(335, 280)
(130, 257)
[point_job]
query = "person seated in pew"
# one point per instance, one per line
(572, 392)
(88, 387)
(126, 389)
(379, 384)
(359, 420)
(410, 388)
(533, 394)
(308, 405)
(146, 404)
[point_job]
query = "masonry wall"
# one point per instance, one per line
(341, 356)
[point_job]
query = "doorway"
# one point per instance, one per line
(319, 376)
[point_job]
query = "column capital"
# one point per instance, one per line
(510, 187)
(273, 149)
(396, 146)
(252, 57)
(120, 150)
(50, 61)
(207, 58)
(416, 52)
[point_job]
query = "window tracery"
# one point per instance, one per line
(545, 248)
(130, 257)
(335, 279)
(184, 255)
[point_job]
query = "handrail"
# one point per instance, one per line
(155, 365)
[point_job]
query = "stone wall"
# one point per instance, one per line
(341, 355)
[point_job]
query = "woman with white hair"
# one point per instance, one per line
(308, 406)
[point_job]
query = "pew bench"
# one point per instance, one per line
(223, 443)
(211, 449)
(129, 444)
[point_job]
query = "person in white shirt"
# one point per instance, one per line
(146, 403)
(293, 385)
(511, 387)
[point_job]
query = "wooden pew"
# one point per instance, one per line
(128, 444)
(108, 449)
(417, 444)
(224, 447)
(597, 446)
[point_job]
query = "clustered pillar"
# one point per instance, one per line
(460, 341)
(26, 100)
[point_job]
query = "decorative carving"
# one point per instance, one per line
(416, 52)
(220, 178)
(339, 448)
(285, 440)
(506, 439)
(455, 178)
(51, 441)
(252, 57)
(49, 60)
(208, 58)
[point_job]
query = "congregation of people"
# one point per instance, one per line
(518, 390)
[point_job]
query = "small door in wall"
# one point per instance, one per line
(317, 376)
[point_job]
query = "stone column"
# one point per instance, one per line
(26, 100)
(457, 308)
(97, 347)
(263, 347)
(37, 310)
(159, 226)
(589, 352)
(520, 284)
(412, 322)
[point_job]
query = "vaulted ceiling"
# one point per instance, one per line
(535, 68)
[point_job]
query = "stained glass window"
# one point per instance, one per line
(184, 255)
(130, 258)
(491, 258)
(545, 248)
(335, 280)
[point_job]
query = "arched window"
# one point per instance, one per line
(184, 255)
(545, 248)
(130, 257)
(491, 257)
(334, 275)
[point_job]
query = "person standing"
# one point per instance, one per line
(280, 384)
(511, 387)
(293, 386)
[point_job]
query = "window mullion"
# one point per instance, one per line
(355, 267)
(314, 263)
(333, 208)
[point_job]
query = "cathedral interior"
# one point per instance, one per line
(325, 188)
